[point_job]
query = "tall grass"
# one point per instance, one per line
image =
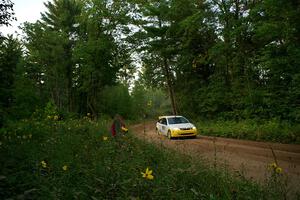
(81, 163)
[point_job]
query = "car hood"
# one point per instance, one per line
(185, 125)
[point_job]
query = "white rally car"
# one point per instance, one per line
(175, 126)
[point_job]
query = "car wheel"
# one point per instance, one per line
(169, 134)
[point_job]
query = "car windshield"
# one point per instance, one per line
(177, 120)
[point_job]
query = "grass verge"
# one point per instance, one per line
(273, 130)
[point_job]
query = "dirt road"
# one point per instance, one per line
(249, 158)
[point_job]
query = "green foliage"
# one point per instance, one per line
(238, 63)
(74, 53)
(116, 100)
(158, 103)
(152, 74)
(51, 109)
(33, 154)
(10, 55)
(149, 103)
(6, 13)
(26, 98)
(228, 60)
(271, 130)
(139, 100)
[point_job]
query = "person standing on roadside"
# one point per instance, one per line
(118, 126)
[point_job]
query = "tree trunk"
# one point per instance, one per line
(168, 75)
(170, 86)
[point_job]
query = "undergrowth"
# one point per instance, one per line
(77, 159)
(272, 130)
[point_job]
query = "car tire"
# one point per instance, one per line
(169, 134)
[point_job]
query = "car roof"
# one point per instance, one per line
(169, 116)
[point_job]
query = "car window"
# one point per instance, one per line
(177, 120)
(164, 121)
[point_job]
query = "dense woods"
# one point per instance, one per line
(232, 67)
(229, 59)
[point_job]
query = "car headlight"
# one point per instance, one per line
(175, 129)
(194, 128)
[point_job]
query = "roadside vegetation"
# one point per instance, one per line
(263, 130)
(229, 60)
(77, 159)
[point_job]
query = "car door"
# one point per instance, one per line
(158, 125)
(164, 127)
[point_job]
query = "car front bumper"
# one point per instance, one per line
(184, 133)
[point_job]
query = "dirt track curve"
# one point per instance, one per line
(245, 157)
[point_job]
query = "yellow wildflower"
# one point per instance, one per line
(124, 129)
(148, 174)
(105, 138)
(55, 117)
(278, 170)
(65, 167)
(44, 164)
(273, 165)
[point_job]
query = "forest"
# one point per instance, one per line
(230, 66)
(229, 59)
